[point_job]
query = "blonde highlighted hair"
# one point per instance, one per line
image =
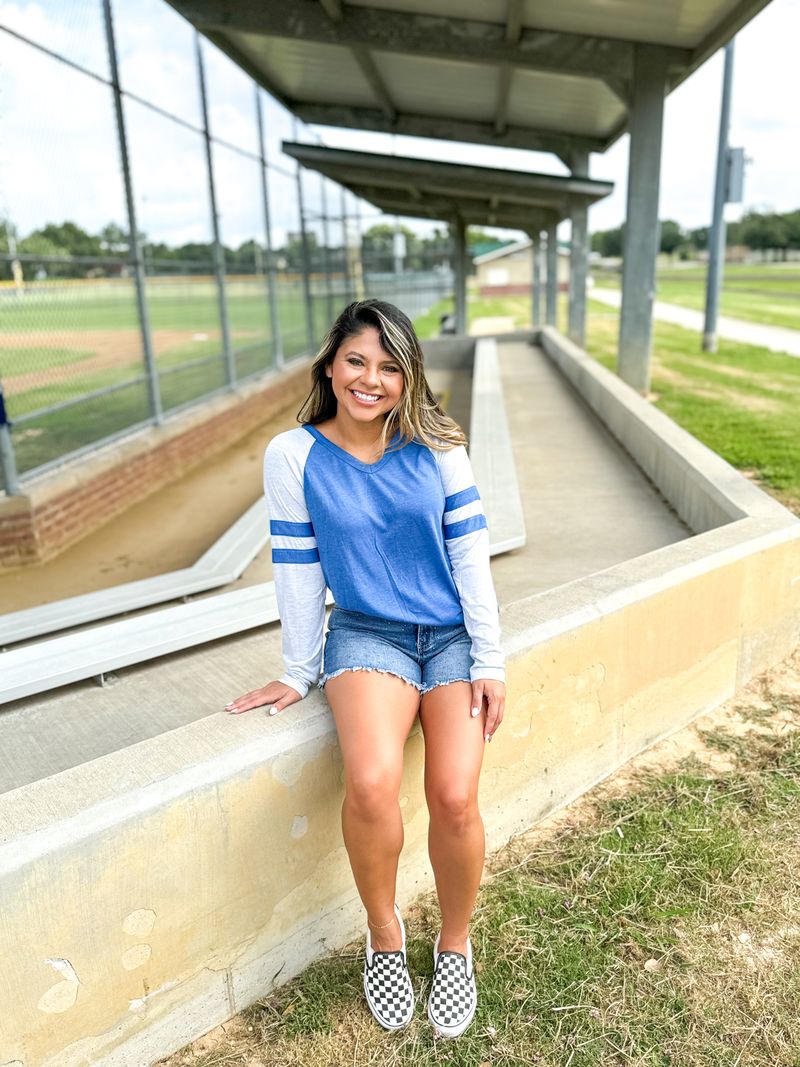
(417, 415)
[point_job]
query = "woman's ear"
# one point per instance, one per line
(328, 370)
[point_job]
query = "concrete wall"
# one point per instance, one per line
(140, 898)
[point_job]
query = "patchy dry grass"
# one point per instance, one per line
(655, 921)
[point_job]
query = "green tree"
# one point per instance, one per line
(672, 237)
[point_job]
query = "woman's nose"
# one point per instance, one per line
(370, 376)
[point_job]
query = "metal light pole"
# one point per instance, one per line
(716, 237)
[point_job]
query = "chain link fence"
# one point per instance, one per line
(196, 255)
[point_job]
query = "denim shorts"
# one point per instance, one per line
(423, 656)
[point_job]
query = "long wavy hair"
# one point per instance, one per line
(417, 414)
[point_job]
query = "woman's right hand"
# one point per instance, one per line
(277, 694)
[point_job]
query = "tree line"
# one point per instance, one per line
(66, 250)
(757, 230)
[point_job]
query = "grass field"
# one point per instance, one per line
(741, 402)
(64, 343)
(767, 292)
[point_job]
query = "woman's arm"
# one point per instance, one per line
(467, 541)
(297, 572)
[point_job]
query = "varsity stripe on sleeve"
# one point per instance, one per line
(467, 542)
(299, 582)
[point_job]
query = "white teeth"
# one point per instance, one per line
(370, 397)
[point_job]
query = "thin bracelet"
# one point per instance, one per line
(374, 927)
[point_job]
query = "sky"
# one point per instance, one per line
(59, 158)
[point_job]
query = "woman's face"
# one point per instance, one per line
(367, 382)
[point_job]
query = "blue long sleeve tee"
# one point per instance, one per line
(403, 539)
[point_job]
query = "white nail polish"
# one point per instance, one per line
(272, 711)
(487, 737)
(475, 711)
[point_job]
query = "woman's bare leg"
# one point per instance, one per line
(374, 713)
(454, 749)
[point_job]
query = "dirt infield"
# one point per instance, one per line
(112, 348)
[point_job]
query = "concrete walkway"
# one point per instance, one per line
(587, 507)
(775, 338)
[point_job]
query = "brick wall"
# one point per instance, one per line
(66, 504)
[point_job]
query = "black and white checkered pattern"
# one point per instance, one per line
(453, 996)
(387, 983)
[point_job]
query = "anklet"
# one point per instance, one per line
(374, 927)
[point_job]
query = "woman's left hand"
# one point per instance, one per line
(494, 695)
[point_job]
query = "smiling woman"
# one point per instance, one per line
(373, 496)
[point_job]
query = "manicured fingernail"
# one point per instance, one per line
(487, 737)
(272, 711)
(475, 711)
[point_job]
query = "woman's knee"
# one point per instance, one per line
(372, 791)
(452, 804)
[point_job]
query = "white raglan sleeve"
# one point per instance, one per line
(467, 541)
(299, 582)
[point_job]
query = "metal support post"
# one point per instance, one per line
(134, 245)
(716, 236)
(641, 218)
(536, 281)
(219, 255)
(578, 256)
(8, 462)
(360, 290)
(312, 343)
(348, 290)
(552, 276)
(458, 234)
(272, 296)
(326, 249)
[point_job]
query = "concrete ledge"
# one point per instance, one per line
(174, 839)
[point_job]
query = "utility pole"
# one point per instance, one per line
(722, 193)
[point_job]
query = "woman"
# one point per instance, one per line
(374, 497)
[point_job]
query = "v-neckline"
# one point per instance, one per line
(348, 457)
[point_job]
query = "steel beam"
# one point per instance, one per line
(465, 40)
(447, 129)
(641, 218)
(578, 257)
(458, 234)
(272, 295)
(536, 281)
(552, 276)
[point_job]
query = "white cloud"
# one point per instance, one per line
(59, 156)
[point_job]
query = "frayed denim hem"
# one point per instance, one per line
(437, 685)
(380, 670)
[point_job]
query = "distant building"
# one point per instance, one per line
(508, 271)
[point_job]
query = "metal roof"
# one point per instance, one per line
(551, 75)
(423, 188)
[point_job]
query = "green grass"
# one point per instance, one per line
(659, 928)
(742, 402)
(765, 293)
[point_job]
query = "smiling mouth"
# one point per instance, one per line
(366, 398)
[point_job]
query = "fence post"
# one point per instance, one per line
(326, 249)
(134, 245)
(219, 255)
(348, 284)
(8, 461)
(312, 344)
(277, 340)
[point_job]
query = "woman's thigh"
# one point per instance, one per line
(454, 745)
(374, 713)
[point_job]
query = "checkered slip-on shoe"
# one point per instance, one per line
(453, 996)
(387, 983)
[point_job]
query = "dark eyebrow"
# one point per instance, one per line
(389, 359)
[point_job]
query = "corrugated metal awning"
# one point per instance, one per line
(551, 75)
(422, 188)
